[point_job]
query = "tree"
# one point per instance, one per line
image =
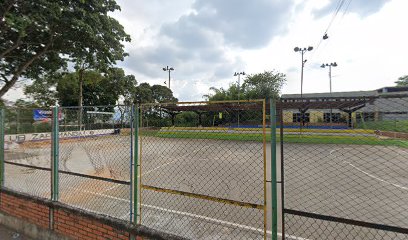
(402, 81)
(99, 89)
(43, 91)
(162, 94)
(143, 94)
(42, 36)
(264, 85)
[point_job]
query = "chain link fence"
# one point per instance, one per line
(95, 147)
(345, 164)
(206, 170)
(27, 151)
(203, 169)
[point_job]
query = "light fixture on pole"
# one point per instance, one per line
(168, 70)
(330, 65)
(302, 51)
(239, 82)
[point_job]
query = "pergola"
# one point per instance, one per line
(344, 104)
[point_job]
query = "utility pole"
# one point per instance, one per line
(168, 70)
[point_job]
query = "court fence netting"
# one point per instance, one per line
(344, 167)
(299, 168)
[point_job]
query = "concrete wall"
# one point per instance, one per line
(46, 220)
(316, 116)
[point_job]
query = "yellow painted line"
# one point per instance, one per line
(205, 197)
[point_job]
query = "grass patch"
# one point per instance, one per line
(310, 139)
(391, 125)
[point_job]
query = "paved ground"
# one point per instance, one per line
(8, 234)
(366, 183)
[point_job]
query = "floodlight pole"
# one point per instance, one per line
(330, 65)
(239, 88)
(302, 51)
(168, 70)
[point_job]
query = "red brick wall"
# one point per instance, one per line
(66, 222)
(32, 212)
(79, 227)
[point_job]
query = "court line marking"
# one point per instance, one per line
(368, 174)
(188, 214)
(375, 177)
(177, 159)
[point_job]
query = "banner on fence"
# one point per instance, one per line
(47, 135)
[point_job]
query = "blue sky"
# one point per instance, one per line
(206, 41)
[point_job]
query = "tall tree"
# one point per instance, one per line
(402, 81)
(44, 35)
(43, 90)
(162, 94)
(264, 85)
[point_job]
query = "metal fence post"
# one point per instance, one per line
(135, 122)
(273, 171)
(55, 155)
(2, 147)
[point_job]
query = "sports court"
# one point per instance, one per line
(213, 182)
(354, 184)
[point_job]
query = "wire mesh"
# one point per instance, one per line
(202, 169)
(27, 151)
(95, 157)
(345, 164)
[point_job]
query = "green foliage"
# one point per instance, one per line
(153, 94)
(264, 85)
(42, 36)
(186, 119)
(98, 88)
(402, 81)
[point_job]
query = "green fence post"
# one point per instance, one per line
(2, 147)
(135, 112)
(55, 155)
(274, 190)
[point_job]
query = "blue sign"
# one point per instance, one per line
(42, 115)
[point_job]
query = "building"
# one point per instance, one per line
(384, 104)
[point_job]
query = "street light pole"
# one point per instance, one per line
(330, 65)
(169, 70)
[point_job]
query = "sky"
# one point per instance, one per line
(206, 41)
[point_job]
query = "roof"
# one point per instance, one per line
(382, 92)
(334, 94)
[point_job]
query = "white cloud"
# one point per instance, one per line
(206, 41)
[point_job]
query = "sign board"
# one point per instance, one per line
(44, 115)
